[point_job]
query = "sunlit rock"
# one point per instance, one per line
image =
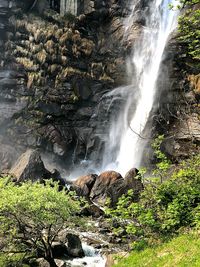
(108, 184)
(83, 185)
(29, 167)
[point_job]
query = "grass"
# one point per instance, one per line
(183, 251)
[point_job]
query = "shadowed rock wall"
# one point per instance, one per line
(53, 73)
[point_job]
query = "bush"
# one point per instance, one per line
(189, 27)
(163, 208)
(31, 216)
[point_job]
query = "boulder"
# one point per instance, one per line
(133, 180)
(61, 263)
(59, 250)
(42, 263)
(109, 184)
(92, 210)
(30, 166)
(84, 184)
(74, 247)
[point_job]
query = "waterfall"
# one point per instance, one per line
(129, 134)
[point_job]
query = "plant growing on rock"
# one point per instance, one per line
(31, 217)
(189, 27)
(163, 164)
(163, 208)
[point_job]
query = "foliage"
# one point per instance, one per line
(189, 27)
(181, 251)
(164, 208)
(31, 216)
(163, 163)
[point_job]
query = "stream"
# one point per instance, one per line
(92, 258)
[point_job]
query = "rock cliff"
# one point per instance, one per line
(55, 71)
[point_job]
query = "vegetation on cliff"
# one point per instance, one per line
(189, 28)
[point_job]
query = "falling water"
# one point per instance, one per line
(129, 134)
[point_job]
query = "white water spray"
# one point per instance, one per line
(148, 51)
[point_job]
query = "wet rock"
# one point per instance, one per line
(84, 113)
(59, 250)
(83, 185)
(179, 149)
(43, 263)
(74, 247)
(31, 167)
(188, 127)
(109, 184)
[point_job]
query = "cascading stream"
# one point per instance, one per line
(146, 59)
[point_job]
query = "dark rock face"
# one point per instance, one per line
(74, 247)
(178, 112)
(53, 74)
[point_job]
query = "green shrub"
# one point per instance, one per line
(31, 217)
(189, 27)
(163, 208)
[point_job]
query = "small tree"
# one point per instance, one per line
(31, 216)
